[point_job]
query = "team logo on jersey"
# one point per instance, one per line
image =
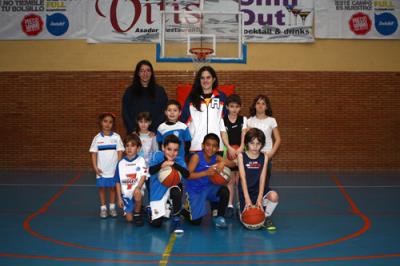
(131, 180)
(176, 133)
(253, 165)
(215, 103)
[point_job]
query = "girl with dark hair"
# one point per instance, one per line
(204, 109)
(143, 95)
(253, 188)
(106, 150)
(261, 118)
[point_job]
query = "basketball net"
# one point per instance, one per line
(201, 56)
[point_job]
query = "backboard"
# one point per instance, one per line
(210, 24)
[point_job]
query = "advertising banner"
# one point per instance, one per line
(42, 19)
(139, 21)
(357, 19)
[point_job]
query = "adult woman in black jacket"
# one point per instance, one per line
(143, 95)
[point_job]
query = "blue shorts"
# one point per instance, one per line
(105, 182)
(253, 197)
(196, 201)
(129, 204)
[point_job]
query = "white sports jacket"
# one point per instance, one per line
(208, 120)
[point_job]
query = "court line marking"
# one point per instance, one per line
(355, 210)
(44, 257)
(43, 209)
(235, 262)
(335, 241)
(168, 250)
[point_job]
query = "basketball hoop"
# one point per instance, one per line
(201, 56)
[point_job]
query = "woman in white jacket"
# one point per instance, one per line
(204, 109)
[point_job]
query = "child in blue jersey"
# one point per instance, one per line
(130, 175)
(174, 127)
(253, 187)
(198, 187)
(160, 194)
(106, 150)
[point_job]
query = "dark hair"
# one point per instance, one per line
(265, 98)
(171, 139)
(197, 90)
(254, 133)
(233, 98)
(134, 139)
(143, 115)
(174, 102)
(211, 136)
(140, 116)
(104, 115)
(136, 86)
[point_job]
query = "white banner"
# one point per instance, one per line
(123, 21)
(139, 21)
(42, 19)
(357, 19)
(278, 21)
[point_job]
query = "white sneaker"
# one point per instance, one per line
(113, 213)
(103, 213)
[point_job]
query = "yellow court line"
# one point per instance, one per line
(167, 251)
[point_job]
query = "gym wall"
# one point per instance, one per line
(336, 101)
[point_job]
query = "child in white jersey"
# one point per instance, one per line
(106, 150)
(130, 175)
(147, 137)
(149, 145)
(261, 118)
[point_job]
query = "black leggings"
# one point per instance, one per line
(223, 194)
(175, 195)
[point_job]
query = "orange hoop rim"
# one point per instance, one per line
(201, 53)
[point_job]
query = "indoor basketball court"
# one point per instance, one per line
(336, 99)
(334, 218)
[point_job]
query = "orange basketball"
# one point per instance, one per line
(253, 218)
(236, 147)
(169, 176)
(221, 178)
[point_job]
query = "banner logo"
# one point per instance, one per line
(57, 24)
(386, 23)
(360, 23)
(32, 24)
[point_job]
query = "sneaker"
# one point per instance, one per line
(148, 213)
(103, 213)
(269, 225)
(220, 222)
(138, 219)
(230, 212)
(176, 224)
(113, 213)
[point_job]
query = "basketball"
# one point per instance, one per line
(169, 176)
(221, 178)
(236, 147)
(253, 218)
